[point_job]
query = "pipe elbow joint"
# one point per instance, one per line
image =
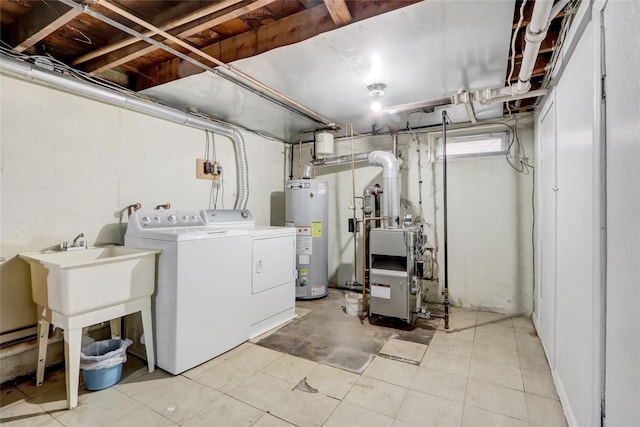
(386, 160)
(307, 171)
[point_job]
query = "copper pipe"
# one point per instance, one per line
(364, 255)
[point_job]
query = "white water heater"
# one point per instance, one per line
(307, 203)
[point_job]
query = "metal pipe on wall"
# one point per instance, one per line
(27, 71)
(444, 205)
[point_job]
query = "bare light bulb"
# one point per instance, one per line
(376, 106)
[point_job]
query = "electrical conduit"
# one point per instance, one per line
(26, 71)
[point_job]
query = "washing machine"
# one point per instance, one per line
(271, 264)
(200, 305)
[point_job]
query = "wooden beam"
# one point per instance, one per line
(283, 32)
(165, 27)
(538, 70)
(136, 51)
(526, 21)
(339, 11)
(41, 20)
(547, 45)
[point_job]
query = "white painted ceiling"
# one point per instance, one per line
(428, 51)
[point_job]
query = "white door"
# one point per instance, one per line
(547, 245)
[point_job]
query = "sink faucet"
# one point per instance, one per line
(78, 243)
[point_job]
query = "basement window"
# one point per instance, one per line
(488, 144)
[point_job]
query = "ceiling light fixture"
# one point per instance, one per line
(376, 90)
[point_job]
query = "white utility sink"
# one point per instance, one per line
(78, 288)
(79, 281)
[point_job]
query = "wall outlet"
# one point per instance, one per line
(206, 169)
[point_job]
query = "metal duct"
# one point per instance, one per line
(390, 185)
(26, 71)
(307, 169)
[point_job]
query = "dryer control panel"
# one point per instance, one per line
(228, 217)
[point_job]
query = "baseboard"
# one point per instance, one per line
(564, 400)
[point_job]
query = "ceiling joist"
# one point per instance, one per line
(339, 11)
(182, 20)
(40, 21)
(107, 62)
(291, 29)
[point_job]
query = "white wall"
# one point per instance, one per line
(575, 199)
(490, 208)
(68, 164)
(622, 26)
(565, 316)
(573, 294)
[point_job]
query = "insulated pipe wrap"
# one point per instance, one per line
(390, 185)
(26, 71)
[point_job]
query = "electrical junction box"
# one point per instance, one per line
(207, 169)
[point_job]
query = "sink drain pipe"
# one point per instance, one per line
(28, 72)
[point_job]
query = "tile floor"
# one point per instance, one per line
(487, 370)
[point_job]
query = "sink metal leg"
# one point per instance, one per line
(72, 348)
(147, 329)
(115, 324)
(43, 341)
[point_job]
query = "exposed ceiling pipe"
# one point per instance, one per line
(530, 94)
(26, 71)
(426, 106)
(467, 99)
(265, 91)
(535, 34)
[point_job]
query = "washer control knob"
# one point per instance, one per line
(156, 219)
(172, 218)
(185, 218)
(194, 218)
(146, 220)
(244, 214)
